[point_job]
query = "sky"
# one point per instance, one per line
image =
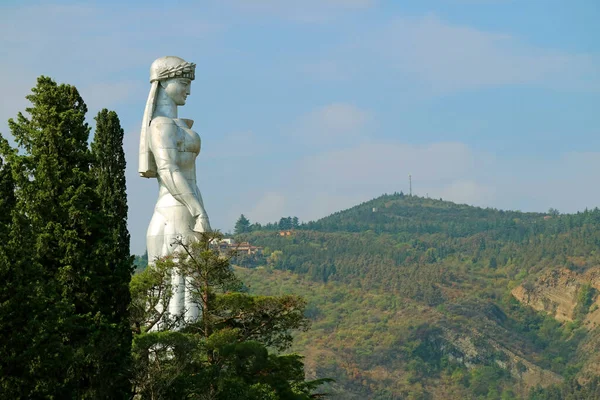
(306, 108)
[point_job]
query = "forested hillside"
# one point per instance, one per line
(421, 298)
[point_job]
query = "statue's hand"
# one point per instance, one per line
(202, 224)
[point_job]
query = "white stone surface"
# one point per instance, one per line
(168, 151)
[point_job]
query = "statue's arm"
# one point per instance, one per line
(163, 142)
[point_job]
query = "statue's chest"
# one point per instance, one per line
(187, 139)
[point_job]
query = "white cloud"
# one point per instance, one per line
(338, 118)
(319, 185)
(310, 11)
(109, 41)
(336, 124)
(269, 208)
(438, 57)
(247, 171)
(566, 182)
(462, 192)
(449, 57)
(385, 165)
(108, 95)
(49, 44)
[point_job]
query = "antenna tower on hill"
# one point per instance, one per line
(410, 185)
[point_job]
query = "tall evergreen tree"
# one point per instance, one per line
(56, 334)
(7, 194)
(108, 170)
(242, 225)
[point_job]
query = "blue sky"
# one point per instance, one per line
(306, 108)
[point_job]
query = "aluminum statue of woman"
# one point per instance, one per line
(168, 151)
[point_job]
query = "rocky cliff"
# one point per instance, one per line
(558, 292)
(570, 297)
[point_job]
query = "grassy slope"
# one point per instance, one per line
(400, 296)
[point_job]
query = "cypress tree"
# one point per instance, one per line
(242, 225)
(108, 169)
(18, 291)
(57, 333)
(7, 194)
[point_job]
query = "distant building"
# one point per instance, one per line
(285, 233)
(246, 248)
(229, 245)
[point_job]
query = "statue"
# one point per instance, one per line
(168, 151)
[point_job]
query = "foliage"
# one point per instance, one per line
(7, 194)
(140, 262)
(570, 390)
(242, 225)
(427, 274)
(288, 223)
(61, 338)
(226, 353)
(585, 299)
(284, 223)
(108, 170)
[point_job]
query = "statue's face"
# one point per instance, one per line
(178, 89)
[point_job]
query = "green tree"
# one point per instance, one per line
(242, 225)
(285, 223)
(585, 298)
(225, 353)
(56, 333)
(108, 170)
(141, 262)
(7, 195)
(9, 313)
(18, 300)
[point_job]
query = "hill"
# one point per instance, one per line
(422, 298)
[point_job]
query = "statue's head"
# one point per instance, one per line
(171, 67)
(174, 75)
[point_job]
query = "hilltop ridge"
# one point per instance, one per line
(399, 212)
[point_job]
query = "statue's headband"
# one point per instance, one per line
(184, 70)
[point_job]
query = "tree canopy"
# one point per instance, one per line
(228, 352)
(57, 319)
(242, 225)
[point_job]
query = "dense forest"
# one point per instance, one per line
(412, 297)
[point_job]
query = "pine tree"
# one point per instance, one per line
(108, 170)
(56, 333)
(242, 225)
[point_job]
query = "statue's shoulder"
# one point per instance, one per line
(162, 121)
(163, 130)
(163, 133)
